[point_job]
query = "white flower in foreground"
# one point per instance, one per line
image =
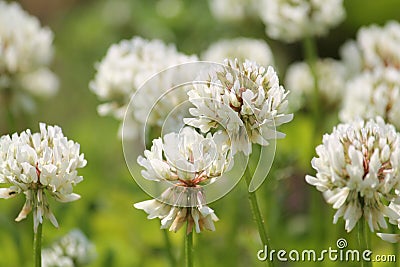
(26, 50)
(290, 21)
(188, 160)
(245, 98)
(173, 217)
(233, 10)
(73, 249)
(126, 66)
(358, 171)
(40, 165)
(331, 76)
(375, 47)
(373, 93)
(241, 48)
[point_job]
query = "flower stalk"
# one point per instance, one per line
(168, 246)
(189, 247)
(311, 55)
(37, 246)
(362, 237)
(257, 213)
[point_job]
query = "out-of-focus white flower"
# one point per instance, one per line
(358, 171)
(173, 217)
(373, 93)
(24, 45)
(375, 47)
(126, 66)
(290, 21)
(331, 76)
(40, 165)
(233, 10)
(25, 49)
(73, 249)
(188, 160)
(41, 83)
(240, 48)
(245, 98)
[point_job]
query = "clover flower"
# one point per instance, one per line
(291, 21)
(26, 51)
(173, 217)
(187, 160)
(240, 48)
(358, 171)
(73, 249)
(373, 93)
(233, 10)
(126, 66)
(331, 77)
(375, 47)
(40, 165)
(243, 97)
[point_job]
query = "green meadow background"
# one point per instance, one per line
(296, 215)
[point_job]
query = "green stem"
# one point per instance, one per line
(171, 258)
(311, 56)
(257, 214)
(395, 246)
(396, 249)
(189, 248)
(363, 241)
(7, 95)
(37, 246)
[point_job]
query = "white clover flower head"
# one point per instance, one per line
(26, 51)
(233, 10)
(24, 44)
(375, 47)
(40, 165)
(331, 82)
(290, 21)
(373, 93)
(173, 217)
(242, 48)
(126, 66)
(358, 171)
(71, 250)
(243, 97)
(187, 160)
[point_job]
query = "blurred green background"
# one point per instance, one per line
(122, 235)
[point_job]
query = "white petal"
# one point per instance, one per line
(7, 193)
(392, 238)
